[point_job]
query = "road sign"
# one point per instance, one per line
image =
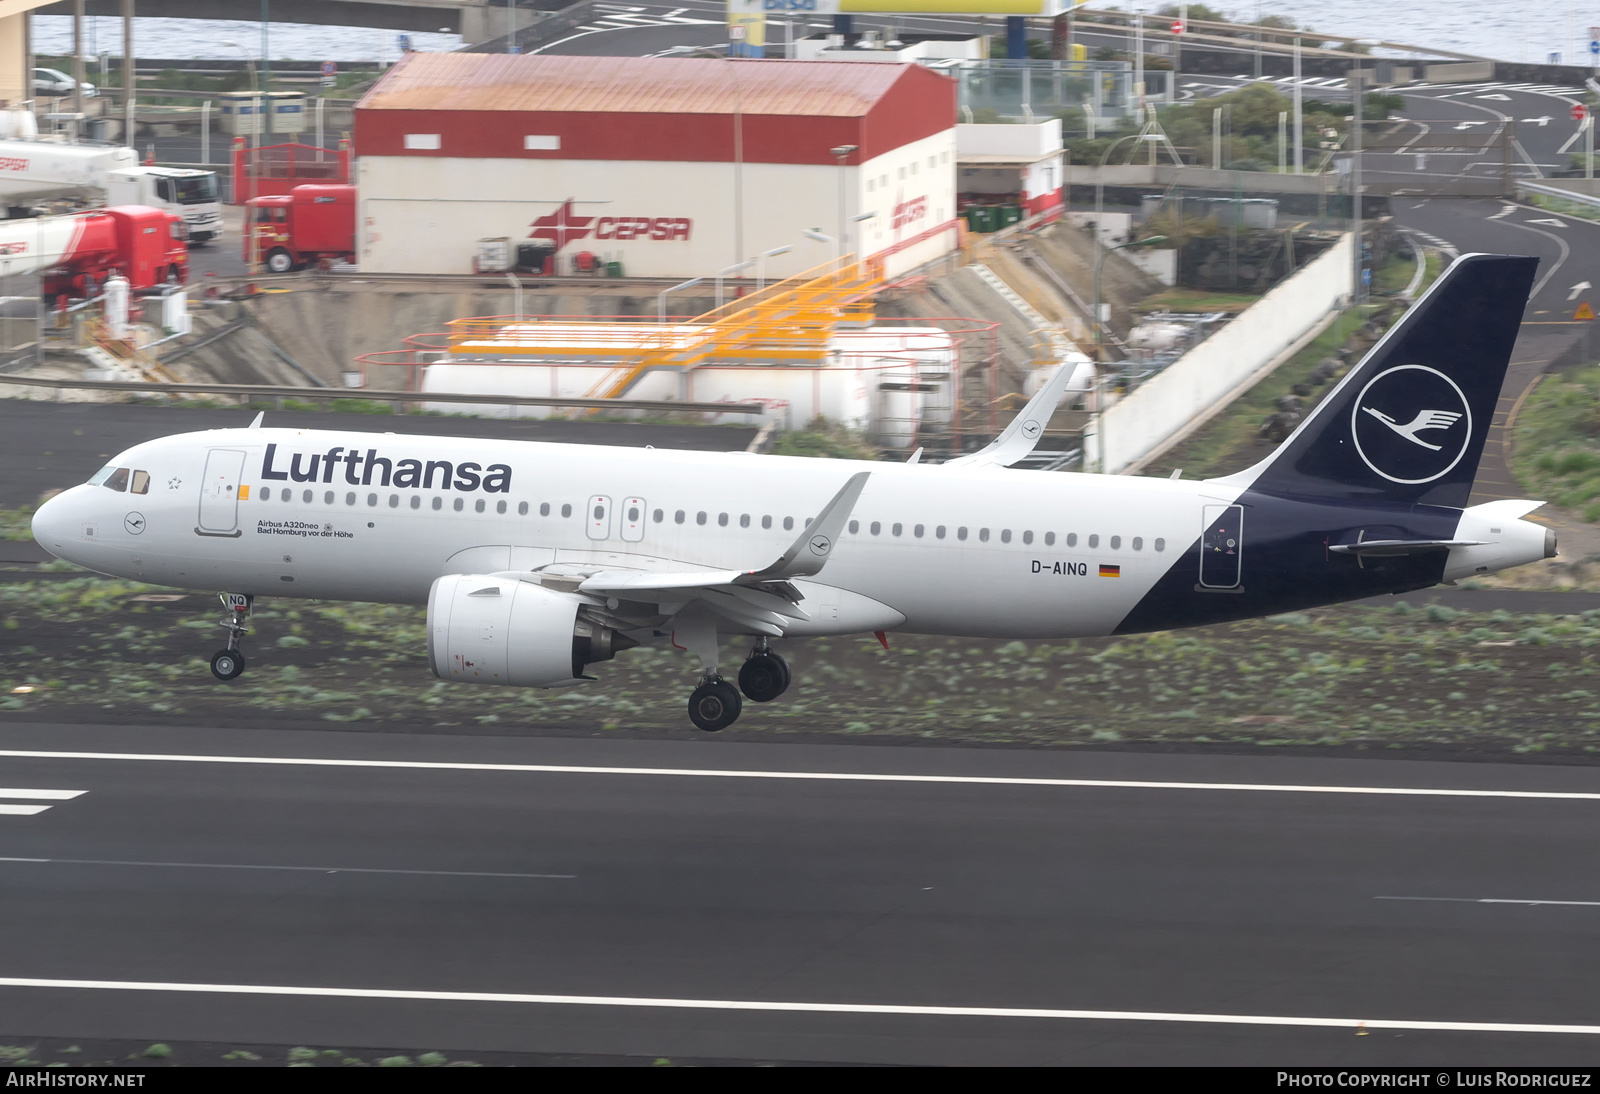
(1594, 45)
(329, 68)
(1579, 112)
(1177, 26)
(1584, 312)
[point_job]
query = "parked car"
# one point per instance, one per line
(51, 84)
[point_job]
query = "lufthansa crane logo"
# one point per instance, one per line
(1411, 424)
(820, 545)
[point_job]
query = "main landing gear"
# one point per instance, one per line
(228, 663)
(764, 676)
(716, 704)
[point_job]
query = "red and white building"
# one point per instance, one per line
(1013, 164)
(673, 167)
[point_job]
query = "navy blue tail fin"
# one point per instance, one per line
(1409, 422)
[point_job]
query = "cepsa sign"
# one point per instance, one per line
(909, 212)
(661, 228)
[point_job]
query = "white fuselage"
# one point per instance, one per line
(934, 549)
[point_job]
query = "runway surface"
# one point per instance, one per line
(794, 902)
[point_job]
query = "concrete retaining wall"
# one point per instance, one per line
(1221, 368)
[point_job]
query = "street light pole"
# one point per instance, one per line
(842, 153)
(761, 263)
(1098, 263)
(726, 270)
(822, 237)
(661, 297)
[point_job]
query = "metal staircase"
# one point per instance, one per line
(789, 322)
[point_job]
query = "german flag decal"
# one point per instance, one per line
(1110, 571)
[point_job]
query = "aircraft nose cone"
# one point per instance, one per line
(52, 524)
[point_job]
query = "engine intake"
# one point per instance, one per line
(494, 630)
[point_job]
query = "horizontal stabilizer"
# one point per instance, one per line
(1387, 548)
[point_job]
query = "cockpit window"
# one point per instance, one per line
(141, 482)
(101, 476)
(118, 479)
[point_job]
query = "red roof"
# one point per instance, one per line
(650, 108)
(634, 85)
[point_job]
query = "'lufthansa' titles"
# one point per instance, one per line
(369, 469)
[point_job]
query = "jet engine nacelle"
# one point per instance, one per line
(499, 630)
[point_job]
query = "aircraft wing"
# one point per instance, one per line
(805, 557)
(1019, 438)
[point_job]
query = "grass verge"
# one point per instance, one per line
(90, 649)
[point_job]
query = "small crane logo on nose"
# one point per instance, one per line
(134, 523)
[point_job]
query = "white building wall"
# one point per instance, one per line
(425, 214)
(912, 189)
(1194, 387)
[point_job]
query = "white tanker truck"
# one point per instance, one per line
(107, 175)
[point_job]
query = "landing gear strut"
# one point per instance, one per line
(764, 676)
(715, 704)
(228, 663)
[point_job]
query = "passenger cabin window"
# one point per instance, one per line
(522, 508)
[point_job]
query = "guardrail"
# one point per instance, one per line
(272, 391)
(1557, 192)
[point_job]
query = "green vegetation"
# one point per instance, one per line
(1577, 209)
(1556, 443)
(829, 440)
(1250, 134)
(17, 523)
(1352, 676)
(1196, 300)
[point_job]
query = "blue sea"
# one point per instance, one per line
(1507, 30)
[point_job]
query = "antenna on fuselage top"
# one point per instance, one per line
(257, 423)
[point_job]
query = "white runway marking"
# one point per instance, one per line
(305, 869)
(803, 776)
(1496, 900)
(803, 1008)
(7, 810)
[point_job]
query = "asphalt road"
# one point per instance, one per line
(655, 907)
(51, 446)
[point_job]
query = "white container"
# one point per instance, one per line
(116, 305)
(493, 255)
(889, 382)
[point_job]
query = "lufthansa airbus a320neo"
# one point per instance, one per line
(539, 560)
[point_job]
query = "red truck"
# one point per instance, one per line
(310, 224)
(75, 253)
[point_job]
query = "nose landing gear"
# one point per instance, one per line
(228, 663)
